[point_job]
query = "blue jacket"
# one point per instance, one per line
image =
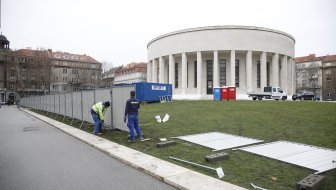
(132, 106)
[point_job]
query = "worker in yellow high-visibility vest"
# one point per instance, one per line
(97, 111)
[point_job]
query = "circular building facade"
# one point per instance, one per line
(196, 60)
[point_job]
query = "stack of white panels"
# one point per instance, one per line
(219, 141)
(312, 157)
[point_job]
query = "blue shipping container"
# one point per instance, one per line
(151, 92)
(217, 94)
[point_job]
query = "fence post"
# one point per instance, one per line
(64, 106)
(82, 110)
(54, 106)
(111, 127)
(72, 114)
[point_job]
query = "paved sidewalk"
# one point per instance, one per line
(37, 156)
(169, 173)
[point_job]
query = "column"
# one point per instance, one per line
(283, 73)
(184, 73)
(199, 73)
(161, 70)
(149, 71)
(154, 71)
(249, 71)
(292, 80)
(233, 68)
(215, 70)
(263, 70)
(275, 69)
(172, 71)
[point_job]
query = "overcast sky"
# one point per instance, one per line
(117, 32)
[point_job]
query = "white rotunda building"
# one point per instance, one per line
(196, 60)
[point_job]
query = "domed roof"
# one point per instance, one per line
(3, 39)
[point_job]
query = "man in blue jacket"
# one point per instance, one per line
(131, 112)
(97, 111)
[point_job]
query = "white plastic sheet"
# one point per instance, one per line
(312, 157)
(219, 141)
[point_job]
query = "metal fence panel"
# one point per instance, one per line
(102, 95)
(52, 103)
(44, 102)
(62, 104)
(48, 107)
(88, 102)
(77, 109)
(41, 106)
(68, 102)
(35, 102)
(120, 94)
(57, 103)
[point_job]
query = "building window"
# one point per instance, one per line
(24, 77)
(65, 88)
(12, 77)
(55, 87)
(74, 71)
(195, 74)
(258, 74)
(304, 74)
(222, 72)
(237, 73)
(65, 70)
(24, 68)
(328, 94)
(12, 86)
(328, 85)
(176, 75)
(209, 76)
(304, 82)
(32, 87)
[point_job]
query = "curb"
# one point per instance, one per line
(172, 174)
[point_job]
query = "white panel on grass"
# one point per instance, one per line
(312, 157)
(219, 141)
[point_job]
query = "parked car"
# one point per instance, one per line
(304, 96)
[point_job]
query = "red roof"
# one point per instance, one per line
(72, 57)
(312, 57)
(54, 55)
(309, 58)
(329, 58)
(30, 53)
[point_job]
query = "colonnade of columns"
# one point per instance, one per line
(280, 73)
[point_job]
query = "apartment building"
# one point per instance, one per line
(316, 74)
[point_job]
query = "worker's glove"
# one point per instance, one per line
(125, 119)
(101, 121)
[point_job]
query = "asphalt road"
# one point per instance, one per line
(37, 156)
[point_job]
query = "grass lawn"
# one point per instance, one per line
(312, 123)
